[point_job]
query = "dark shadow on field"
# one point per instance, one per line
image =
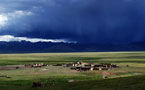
(139, 57)
(104, 57)
(83, 58)
(39, 61)
(91, 61)
(60, 61)
(70, 59)
(97, 59)
(127, 57)
(121, 61)
(123, 83)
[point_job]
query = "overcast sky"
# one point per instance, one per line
(83, 21)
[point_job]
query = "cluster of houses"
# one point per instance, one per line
(36, 65)
(81, 66)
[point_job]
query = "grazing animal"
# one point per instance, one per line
(17, 67)
(37, 84)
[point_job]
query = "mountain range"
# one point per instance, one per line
(39, 47)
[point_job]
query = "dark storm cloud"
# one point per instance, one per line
(89, 21)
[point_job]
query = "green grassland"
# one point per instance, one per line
(123, 78)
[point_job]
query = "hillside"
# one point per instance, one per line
(28, 47)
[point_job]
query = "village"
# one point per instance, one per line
(81, 66)
(78, 66)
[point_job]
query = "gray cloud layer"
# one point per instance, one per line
(94, 21)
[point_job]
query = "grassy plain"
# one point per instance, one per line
(123, 78)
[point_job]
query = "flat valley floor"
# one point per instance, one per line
(129, 76)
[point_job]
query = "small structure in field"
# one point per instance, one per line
(36, 65)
